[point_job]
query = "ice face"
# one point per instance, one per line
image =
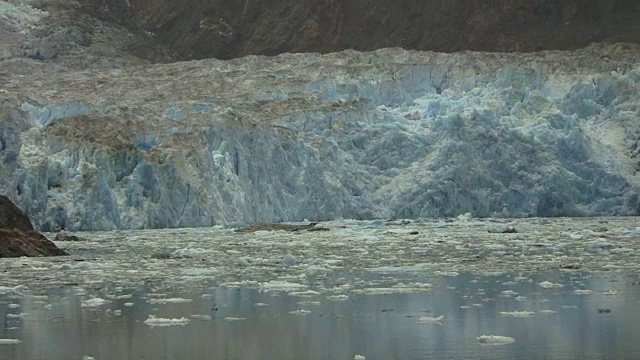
(386, 134)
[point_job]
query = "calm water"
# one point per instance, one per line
(375, 326)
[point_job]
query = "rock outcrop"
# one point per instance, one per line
(18, 237)
(223, 29)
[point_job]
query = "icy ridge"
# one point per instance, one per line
(385, 134)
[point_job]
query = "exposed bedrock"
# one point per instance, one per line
(18, 237)
(224, 29)
(385, 134)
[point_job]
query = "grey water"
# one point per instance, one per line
(602, 325)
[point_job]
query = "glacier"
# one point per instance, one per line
(357, 135)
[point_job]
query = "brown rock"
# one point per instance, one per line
(11, 217)
(223, 29)
(17, 236)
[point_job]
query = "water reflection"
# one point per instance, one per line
(376, 326)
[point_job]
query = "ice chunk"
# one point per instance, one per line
(299, 312)
(582, 292)
(11, 290)
(546, 311)
(199, 271)
(280, 286)
(189, 253)
(201, 317)
(86, 265)
(169, 301)
(234, 318)
(495, 340)
(431, 320)
(9, 341)
(550, 285)
(95, 302)
(155, 321)
(521, 314)
(308, 293)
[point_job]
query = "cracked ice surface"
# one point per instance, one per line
(354, 257)
(385, 134)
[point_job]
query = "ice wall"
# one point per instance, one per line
(388, 134)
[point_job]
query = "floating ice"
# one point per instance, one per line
(299, 312)
(234, 318)
(189, 253)
(155, 321)
(9, 341)
(520, 314)
(495, 340)
(546, 311)
(11, 290)
(169, 301)
(20, 315)
(359, 357)
(448, 273)
(550, 285)
(337, 297)
(199, 271)
(281, 286)
(95, 302)
(201, 317)
(431, 320)
(13, 306)
(582, 292)
(308, 293)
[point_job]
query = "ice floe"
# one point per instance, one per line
(495, 340)
(95, 302)
(161, 322)
(431, 320)
(169, 301)
(521, 314)
(9, 341)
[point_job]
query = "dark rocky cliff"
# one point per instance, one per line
(227, 29)
(18, 237)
